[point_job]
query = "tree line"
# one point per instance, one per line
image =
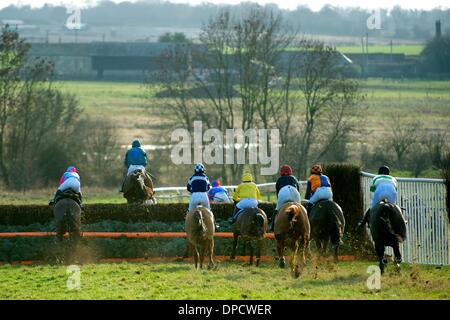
(42, 129)
(396, 23)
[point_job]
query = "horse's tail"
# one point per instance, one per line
(293, 213)
(336, 223)
(199, 224)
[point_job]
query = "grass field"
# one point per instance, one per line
(413, 49)
(231, 280)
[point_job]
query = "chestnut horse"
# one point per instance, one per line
(250, 225)
(199, 226)
(292, 224)
(138, 187)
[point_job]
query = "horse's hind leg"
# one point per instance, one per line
(196, 255)
(258, 251)
(235, 243)
(211, 254)
(294, 259)
(398, 255)
(202, 253)
(336, 252)
(280, 249)
(251, 252)
(379, 247)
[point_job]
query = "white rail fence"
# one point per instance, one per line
(180, 194)
(428, 236)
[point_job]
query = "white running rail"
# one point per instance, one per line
(428, 236)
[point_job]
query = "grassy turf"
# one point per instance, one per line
(231, 280)
(414, 49)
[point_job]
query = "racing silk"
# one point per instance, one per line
(316, 181)
(68, 175)
(383, 179)
(136, 156)
(288, 180)
(246, 190)
(199, 182)
(216, 190)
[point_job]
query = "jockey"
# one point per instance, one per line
(246, 196)
(318, 186)
(198, 185)
(218, 193)
(287, 190)
(384, 186)
(136, 158)
(70, 180)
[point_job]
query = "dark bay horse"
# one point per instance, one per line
(250, 225)
(388, 228)
(292, 225)
(138, 187)
(327, 224)
(200, 228)
(67, 214)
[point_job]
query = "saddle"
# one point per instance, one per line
(68, 194)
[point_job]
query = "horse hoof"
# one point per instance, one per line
(212, 267)
(282, 264)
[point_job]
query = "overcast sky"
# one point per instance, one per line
(286, 4)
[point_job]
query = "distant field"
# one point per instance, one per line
(231, 280)
(406, 49)
(126, 104)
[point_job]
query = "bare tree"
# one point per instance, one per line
(258, 76)
(34, 116)
(331, 101)
(402, 135)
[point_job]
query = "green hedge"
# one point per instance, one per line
(166, 212)
(346, 184)
(46, 248)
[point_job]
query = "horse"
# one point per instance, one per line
(138, 188)
(67, 213)
(250, 225)
(388, 228)
(200, 228)
(327, 224)
(291, 223)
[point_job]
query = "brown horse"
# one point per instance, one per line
(251, 225)
(327, 225)
(138, 187)
(199, 226)
(292, 224)
(388, 228)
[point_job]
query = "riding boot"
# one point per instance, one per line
(121, 187)
(365, 219)
(272, 222)
(233, 217)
